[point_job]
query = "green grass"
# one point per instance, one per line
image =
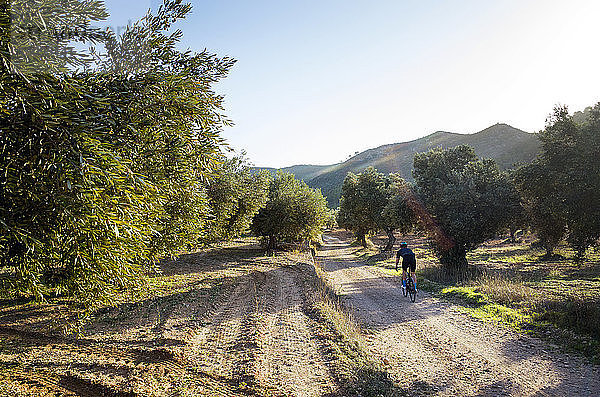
(556, 324)
(467, 295)
(479, 306)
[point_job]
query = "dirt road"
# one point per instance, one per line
(260, 336)
(431, 348)
(234, 324)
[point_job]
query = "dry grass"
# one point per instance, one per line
(564, 292)
(358, 372)
(505, 290)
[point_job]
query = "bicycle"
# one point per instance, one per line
(410, 289)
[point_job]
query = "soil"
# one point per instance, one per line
(230, 321)
(432, 348)
(241, 328)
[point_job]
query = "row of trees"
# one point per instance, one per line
(468, 199)
(293, 212)
(277, 209)
(102, 155)
(372, 201)
(561, 188)
(112, 160)
(462, 201)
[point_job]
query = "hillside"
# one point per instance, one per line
(501, 142)
(305, 171)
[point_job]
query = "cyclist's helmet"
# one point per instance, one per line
(403, 244)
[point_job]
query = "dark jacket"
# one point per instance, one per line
(408, 257)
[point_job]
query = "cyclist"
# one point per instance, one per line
(408, 261)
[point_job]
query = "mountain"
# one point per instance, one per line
(507, 145)
(305, 171)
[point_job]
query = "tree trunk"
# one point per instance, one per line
(391, 240)
(362, 239)
(272, 243)
(455, 258)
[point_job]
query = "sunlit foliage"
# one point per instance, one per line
(467, 198)
(372, 201)
(104, 153)
(235, 195)
(294, 212)
(562, 187)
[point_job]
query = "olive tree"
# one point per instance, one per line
(464, 195)
(235, 195)
(562, 186)
(102, 154)
(364, 196)
(398, 214)
(169, 119)
(372, 201)
(293, 212)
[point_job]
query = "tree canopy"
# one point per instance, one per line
(293, 212)
(467, 198)
(399, 212)
(364, 196)
(562, 187)
(372, 201)
(104, 156)
(235, 196)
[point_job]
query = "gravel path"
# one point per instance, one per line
(431, 348)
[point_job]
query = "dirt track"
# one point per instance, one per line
(431, 348)
(260, 335)
(236, 323)
(256, 338)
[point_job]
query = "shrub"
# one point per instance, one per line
(235, 195)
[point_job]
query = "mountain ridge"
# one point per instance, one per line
(507, 145)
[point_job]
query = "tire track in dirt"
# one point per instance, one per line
(434, 349)
(289, 360)
(257, 340)
(239, 326)
(220, 349)
(136, 346)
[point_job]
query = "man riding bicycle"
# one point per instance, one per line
(408, 261)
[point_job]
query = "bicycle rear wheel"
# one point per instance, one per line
(412, 292)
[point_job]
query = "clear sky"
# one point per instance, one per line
(317, 81)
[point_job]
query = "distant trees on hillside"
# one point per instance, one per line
(293, 212)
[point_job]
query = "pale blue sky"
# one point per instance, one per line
(316, 81)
